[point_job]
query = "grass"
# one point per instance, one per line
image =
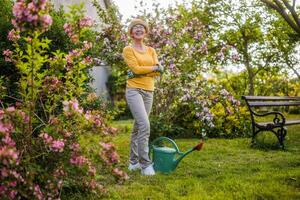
(224, 169)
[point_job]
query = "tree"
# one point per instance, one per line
(261, 40)
(287, 11)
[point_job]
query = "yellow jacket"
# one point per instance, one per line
(141, 63)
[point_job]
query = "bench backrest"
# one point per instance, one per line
(263, 101)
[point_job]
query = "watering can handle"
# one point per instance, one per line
(168, 139)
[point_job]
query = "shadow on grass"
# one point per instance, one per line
(267, 141)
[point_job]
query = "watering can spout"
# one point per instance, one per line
(198, 147)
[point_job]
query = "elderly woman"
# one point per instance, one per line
(143, 67)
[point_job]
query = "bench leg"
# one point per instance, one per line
(281, 133)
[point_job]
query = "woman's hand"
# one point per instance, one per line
(159, 68)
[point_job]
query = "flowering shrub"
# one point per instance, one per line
(40, 135)
(195, 106)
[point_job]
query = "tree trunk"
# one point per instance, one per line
(248, 67)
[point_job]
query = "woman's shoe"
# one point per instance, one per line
(134, 167)
(148, 171)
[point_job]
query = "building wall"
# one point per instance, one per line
(101, 73)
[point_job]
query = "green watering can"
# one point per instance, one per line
(165, 158)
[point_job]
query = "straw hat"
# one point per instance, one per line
(138, 21)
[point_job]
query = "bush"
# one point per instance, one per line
(41, 155)
(198, 107)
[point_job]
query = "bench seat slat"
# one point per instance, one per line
(274, 103)
(267, 98)
(290, 122)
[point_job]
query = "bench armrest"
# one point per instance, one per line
(278, 116)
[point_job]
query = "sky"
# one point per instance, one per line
(127, 7)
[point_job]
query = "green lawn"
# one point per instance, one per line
(224, 169)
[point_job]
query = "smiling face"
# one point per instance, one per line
(138, 32)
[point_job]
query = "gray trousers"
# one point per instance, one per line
(140, 104)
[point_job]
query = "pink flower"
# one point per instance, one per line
(7, 52)
(28, 15)
(38, 193)
(70, 105)
(5, 128)
(46, 21)
(86, 22)
(4, 172)
(75, 147)
(106, 146)
(78, 160)
(31, 6)
(87, 45)
(46, 138)
(18, 9)
(10, 109)
(13, 184)
(92, 184)
(8, 155)
(12, 194)
(6, 59)
(58, 145)
(8, 141)
(120, 173)
(13, 35)
(88, 60)
(114, 157)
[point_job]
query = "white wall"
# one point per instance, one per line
(99, 73)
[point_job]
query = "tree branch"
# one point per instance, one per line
(293, 12)
(280, 9)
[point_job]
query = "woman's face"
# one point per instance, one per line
(138, 32)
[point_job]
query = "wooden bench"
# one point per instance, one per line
(279, 123)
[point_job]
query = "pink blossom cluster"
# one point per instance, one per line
(8, 54)
(13, 35)
(38, 193)
(7, 192)
(78, 160)
(51, 83)
(87, 45)
(71, 106)
(71, 33)
(108, 153)
(92, 184)
(54, 145)
(120, 174)
(72, 57)
(88, 60)
(111, 130)
(9, 156)
(97, 120)
(86, 22)
(9, 179)
(31, 14)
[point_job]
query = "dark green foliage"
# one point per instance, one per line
(7, 70)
